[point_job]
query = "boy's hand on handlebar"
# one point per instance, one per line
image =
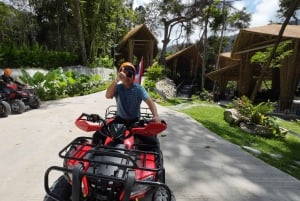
(93, 118)
(156, 119)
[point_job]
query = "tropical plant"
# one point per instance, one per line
(155, 72)
(57, 83)
(253, 113)
(257, 114)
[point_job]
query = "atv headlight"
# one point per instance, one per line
(140, 189)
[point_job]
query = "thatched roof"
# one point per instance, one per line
(291, 31)
(186, 61)
(188, 52)
(141, 34)
(258, 38)
(229, 68)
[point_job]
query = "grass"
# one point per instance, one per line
(282, 153)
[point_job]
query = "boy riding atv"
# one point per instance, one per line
(18, 95)
(5, 80)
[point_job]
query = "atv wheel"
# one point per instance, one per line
(17, 106)
(36, 103)
(5, 109)
(61, 188)
(161, 194)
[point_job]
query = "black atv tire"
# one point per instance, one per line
(61, 188)
(17, 106)
(161, 194)
(36, 103)
(5, 109)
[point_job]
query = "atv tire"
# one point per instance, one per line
(5, 109)
(61, 188)
(17, 106)
(36, 103)
(161, 194)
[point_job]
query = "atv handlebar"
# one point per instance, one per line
(145, 126)
(89, 122)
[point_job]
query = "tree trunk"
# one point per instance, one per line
(80, 31)
(162, 58)
(204, 57)
(267, 64)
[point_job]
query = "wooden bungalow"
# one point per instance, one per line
(137, 43)
(185, 64)
(236, 66)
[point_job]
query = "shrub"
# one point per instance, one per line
(257, 114)
(57, 83)
(155, 72)
(35, 56)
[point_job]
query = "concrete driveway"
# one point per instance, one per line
(199, 165)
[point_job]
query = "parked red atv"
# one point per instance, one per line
(122, 168)
(22, 96)
(5, 109)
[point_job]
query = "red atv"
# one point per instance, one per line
(5, 109)
(22, 96)
(120, 167)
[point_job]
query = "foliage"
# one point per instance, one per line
(17, 26)
(57, 83)
(155, 96)
(53, 25)
(254, 113)
(282, 52)
(104, 61)
(35, 56)
(205, 95)
(220, 14)
(257, 114)
(149, 84)
(155, 72)
(171, 101)
(283, 10)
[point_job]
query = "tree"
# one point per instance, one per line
(220, 17)
(181, 20)
(12, 26)
(99, 25)
(168, 15)
(79, 24)
(283, 10)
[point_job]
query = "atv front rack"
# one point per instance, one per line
(133, 161)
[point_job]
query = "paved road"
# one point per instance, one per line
(200, 165)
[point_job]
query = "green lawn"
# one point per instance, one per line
(283, 154)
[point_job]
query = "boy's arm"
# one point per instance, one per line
(153, 109)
